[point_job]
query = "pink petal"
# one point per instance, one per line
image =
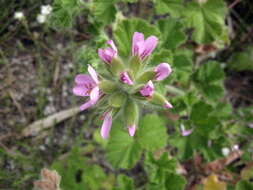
(111, 43)
(137, 41)
(80, 90)
(102, 55)
(124, 77)
(106, 126)
(94, 95)
(93, 74)
(168, 105)
(148, 89)
(149, 45)
(83, 79)
(163, 70)
(86, 105)
(131, 130)
(186, 132)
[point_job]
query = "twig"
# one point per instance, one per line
(17, 104)
(34, 128)
(234, 3)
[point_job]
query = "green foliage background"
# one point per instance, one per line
(150, 159)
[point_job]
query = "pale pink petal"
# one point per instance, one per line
(102, 55)
(86, 105)
(137, 41)
(163, 70)
(124, 77)
(83, 79)
(131, 130)
(94, 95)
(106, 126)
(93, 74)
(168, 105)
(251, 125)
(148, 89)
(186, 132)
(111, 43)
(149, 45)
(80, 90)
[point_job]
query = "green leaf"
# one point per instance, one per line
(182, 67)
(64, 12)
(173, 34)
(210, 72)
(244, 185)
(104, 11)
(201, 118)
(158, 168)
(241, 61)
(213, 91)
(163, 56)
(207, 20)
(200, 111)
(209, 79)
(77, 174)
(173, 7)
(175, 182)
(122, 150)
(152, 127)
(124, 31)
(124, 183)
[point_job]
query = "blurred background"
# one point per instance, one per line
(45, 43)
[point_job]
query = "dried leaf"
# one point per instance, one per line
(50, 180)
(213, 183)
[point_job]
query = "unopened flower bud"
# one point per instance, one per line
(124, 77)
(148, 89)
(107, 86)
(131, 130)
(146, 76)
(131, 113)
(162, 71)
(109, 53)
(159, 99)
(117, 99)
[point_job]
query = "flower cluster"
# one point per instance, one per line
(126, 86)
(45, 11)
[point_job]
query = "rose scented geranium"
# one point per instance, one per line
(126, 87)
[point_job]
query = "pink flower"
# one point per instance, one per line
(109, 53)
(148, 89)
(168, 105)
(185, 132)
(141, 47)
(131, 130)
(106, 126)
(124, 77)
(87, 85)
(162, 71)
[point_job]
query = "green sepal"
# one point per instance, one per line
(117, 99)
(131, 112)
(135, 64)
(107, 86)
(146, 76)
(116, 66)
(158, 99)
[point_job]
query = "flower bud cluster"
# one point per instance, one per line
(126, 86)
